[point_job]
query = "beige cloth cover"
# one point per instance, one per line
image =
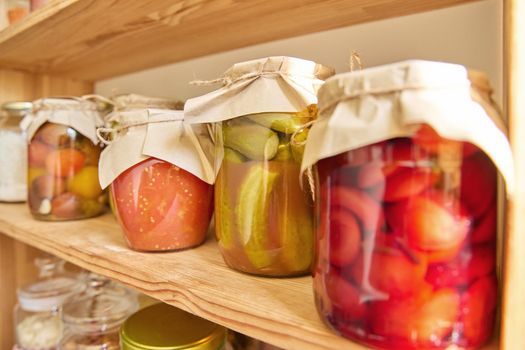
(272, 84)
(78, 113)
(376, 104)
(141, 133)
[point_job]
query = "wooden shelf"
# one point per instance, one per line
(92, 40)
(278, 311)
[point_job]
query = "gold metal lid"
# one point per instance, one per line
(164, 327)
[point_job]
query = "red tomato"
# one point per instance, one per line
(391, 272)
(38, 152)
(478, 184)
(65, 162)
(161, 206)
(426, 319)
(478, 310)
(345, 238)
(344, 296)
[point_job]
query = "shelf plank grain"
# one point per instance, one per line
(278, 311)
(92, 40)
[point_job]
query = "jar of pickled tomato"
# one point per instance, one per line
(263, 218)
(406, 207)
(63, 156)
(160, 192)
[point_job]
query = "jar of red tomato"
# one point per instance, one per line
(406, 207)
(160, 187)
(63, 159)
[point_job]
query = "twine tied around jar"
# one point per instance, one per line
(227, 81)
(107, 135)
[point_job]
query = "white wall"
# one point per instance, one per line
(469, 34)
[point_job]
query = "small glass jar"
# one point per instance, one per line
(37, 316)
(13, 152)
(263, 219)
(17, 9)
(63, 162)
(92, 319)
(162, 326)
(36, 4)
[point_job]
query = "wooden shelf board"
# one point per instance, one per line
(278, 311)
(92, 40)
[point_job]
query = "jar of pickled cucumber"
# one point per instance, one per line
(260, 117)
(93, 318)
(406, 207)
(63, 155)
(160, 191)
(37, 316)
(162, 326)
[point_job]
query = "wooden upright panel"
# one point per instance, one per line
(513, 318)
(93, 40)
(20, 85)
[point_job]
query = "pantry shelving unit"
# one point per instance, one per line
(63, 48)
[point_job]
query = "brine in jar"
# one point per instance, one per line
(63, 175)
(406, 232)
(263, 218)
(161, 206)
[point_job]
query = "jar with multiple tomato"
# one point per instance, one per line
(263, 219)
(63, 174)
(406, 243)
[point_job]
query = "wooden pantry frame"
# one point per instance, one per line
(62, 49)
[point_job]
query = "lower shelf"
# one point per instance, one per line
(278, 311)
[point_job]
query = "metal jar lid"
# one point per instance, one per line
(164, 327)
(17, 108)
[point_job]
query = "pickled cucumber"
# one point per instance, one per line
(287, 123)
(297, 239)
(223, 214)
(233, 156)
(283, 152)
(253, 214)
(251, 140)
(298, 144)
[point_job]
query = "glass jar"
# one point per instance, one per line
(162, 326)
(406, 218)
(263, 219)
(37, 316)
(63, 179)
(259, 119)
(36, 4)
(93, 318)
(408, 227)
(17, 9)
(13, 152)
(161, 206)
(157, 191)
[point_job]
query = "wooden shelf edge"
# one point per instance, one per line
(278, 311)
(117, 37)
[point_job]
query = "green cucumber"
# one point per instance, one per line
(250, 139)
(253, 214)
